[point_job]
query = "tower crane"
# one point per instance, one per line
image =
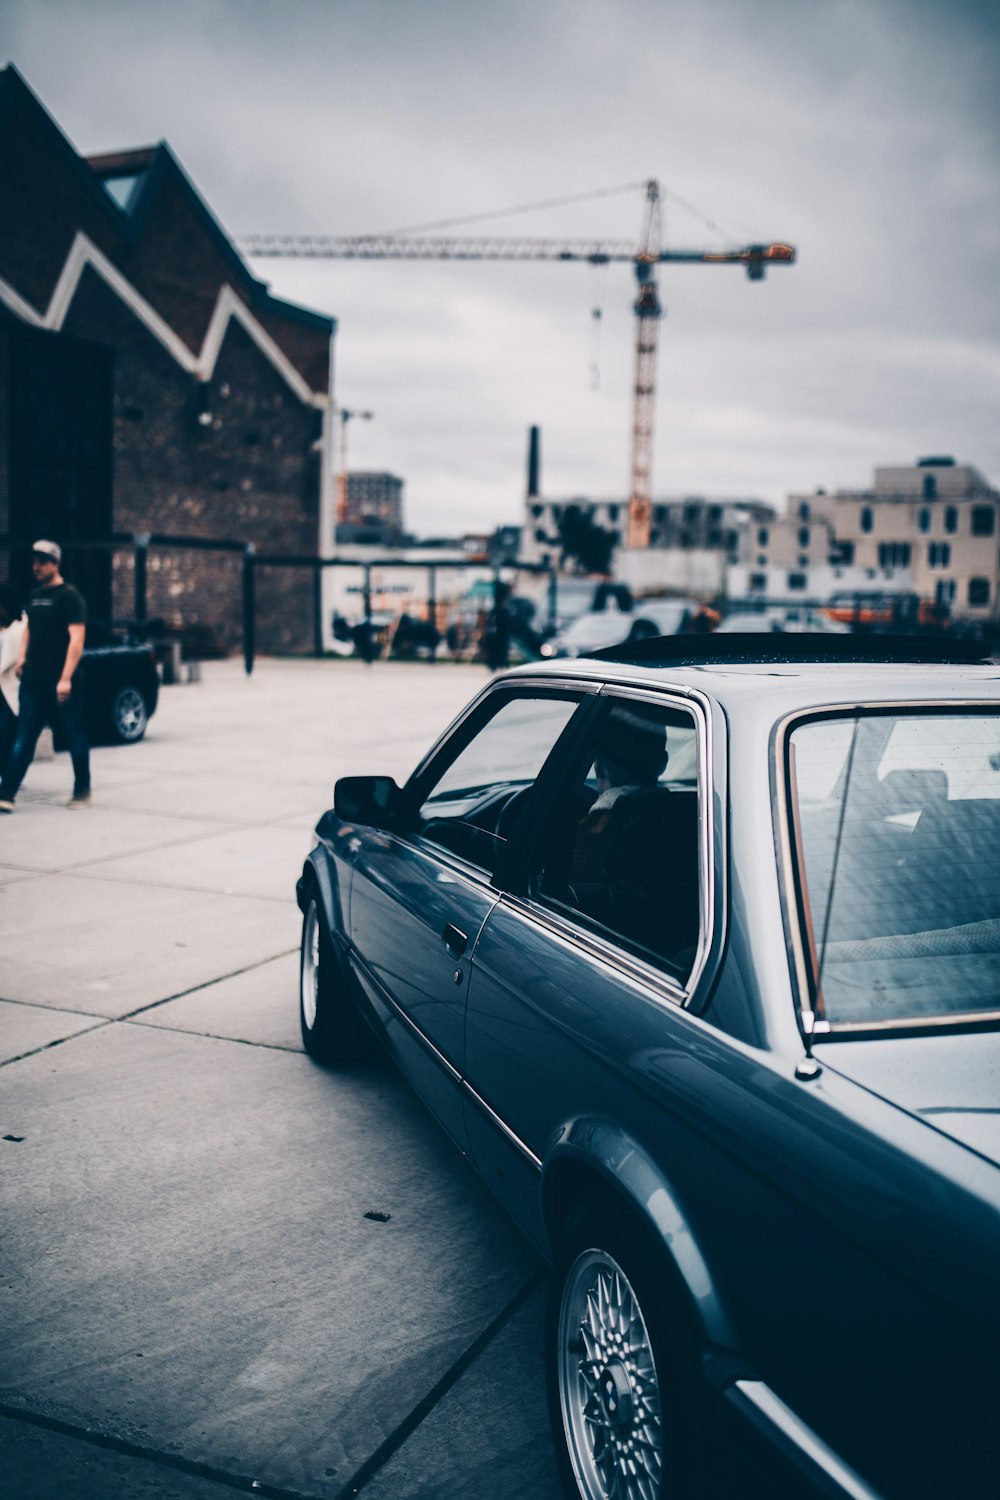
(597, 252)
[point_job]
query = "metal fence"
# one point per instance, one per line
(141, 543)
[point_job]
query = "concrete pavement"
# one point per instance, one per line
(194, 1297)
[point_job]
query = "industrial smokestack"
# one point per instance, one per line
(534, 461)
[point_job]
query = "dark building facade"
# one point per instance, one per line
(149, 383)
(372, 509)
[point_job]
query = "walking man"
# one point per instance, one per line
(51, 686)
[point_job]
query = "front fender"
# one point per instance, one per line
(319, 873)
(589, 1152)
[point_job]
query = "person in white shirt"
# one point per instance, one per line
(11, 635)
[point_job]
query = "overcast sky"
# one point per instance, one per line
(866, 134)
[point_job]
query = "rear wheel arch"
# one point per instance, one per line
(595, 1161)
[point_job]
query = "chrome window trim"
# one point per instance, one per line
(581, 939)
(476, 874)
(788, 878)
(606, 950)
(757, 1403)
(502, 685)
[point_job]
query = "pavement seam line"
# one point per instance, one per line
(78, 872)
(191, 1466)
(426, 1404)
(47, 1046)
(206, 984)
(214, 1036)
(178, 843)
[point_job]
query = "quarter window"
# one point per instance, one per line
(899, 819)
(474, 804)
(619, 851)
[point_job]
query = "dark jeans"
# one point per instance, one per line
(8, 731)
(39, 706)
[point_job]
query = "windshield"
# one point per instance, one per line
(898, 821)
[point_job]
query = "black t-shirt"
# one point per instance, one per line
(51, 612)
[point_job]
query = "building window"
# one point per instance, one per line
(536, 512)
(758, 582)
(924, 519)
(894, 554)
(803, 536)
(979, 592)
(762, 536)
(939, 554)
(866, 518)
(804, 510)
(984, 520)
(951, 520)
(930, 487)
(797, 580)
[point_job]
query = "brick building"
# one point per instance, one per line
(149, 383)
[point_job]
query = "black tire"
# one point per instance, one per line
(620, 1381)
(129, 714)
(332, 1029)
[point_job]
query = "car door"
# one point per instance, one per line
(421, 892)
(601, 934)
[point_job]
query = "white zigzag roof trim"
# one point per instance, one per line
(84, 253)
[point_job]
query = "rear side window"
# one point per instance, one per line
(898, 824)
(619, 852)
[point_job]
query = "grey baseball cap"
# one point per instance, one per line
(48, 549)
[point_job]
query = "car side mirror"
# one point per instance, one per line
(366, 799)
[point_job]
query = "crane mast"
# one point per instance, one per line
(648, 313)
(647, 308)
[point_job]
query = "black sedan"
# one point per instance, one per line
(694, 951)
(121, 690)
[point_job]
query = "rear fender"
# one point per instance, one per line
(589, 1153)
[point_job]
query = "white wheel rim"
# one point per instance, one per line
(608, 1386)
(130, 712)
(309, 985)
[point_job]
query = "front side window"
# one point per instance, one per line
(619, 852)
(472, 806)
(898, 823)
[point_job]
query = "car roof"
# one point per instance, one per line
(785, 673)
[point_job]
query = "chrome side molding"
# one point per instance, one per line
(797, 1441)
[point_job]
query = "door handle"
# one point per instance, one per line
(454, 939)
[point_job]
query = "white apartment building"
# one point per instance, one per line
(936, 520)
